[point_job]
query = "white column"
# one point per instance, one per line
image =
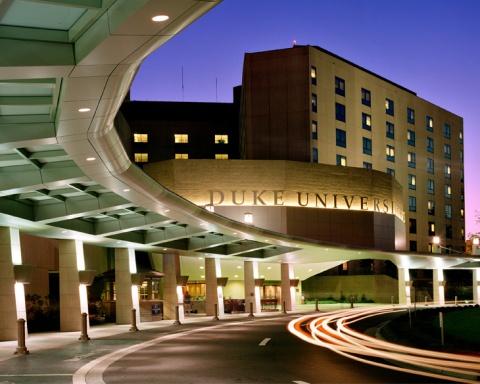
(404, 287)
(438, 287)
(172, 292)
(476, 285)
(12, 294)
(73, 295)
(126, 293)
(288, 292)
(252, 293)
(214, 294)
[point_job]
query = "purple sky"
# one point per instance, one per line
(429, 46)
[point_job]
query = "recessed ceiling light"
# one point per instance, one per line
(91, 158)
(200, 258)
(262, 276)
(203, 276)
(310, 270)
(160, 18)
(167, 210)
(269, 267)
(234, 233)
(239, 267)
(201, 267)
(164, 249)
(64, 231)
(235, 276)
(83, 110)
(126, 190)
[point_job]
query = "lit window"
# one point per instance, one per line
(221, 139)
(448, 171)
(412, 182)
(462, 212)
(341, 160)
(181, 138)
(429, 123)
(389, 107)
(140, 137)
(314, 130)
(366, 97)
(221, 156)
(448, 191)
(390, 130)
(411, 115)
(141, 157)
(314, 102)
(411, 158)
(181, 156)
(411, 138)
(313, 75)
(390, 151)
(460, 136)
(431, 207)
(366, 121)
(431, 228)
(339, 86)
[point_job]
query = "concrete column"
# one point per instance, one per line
(404, 287)
(73, 295)
(476, 285)
(172, 292)
(12, 294)
(214, 294)
(126, 293)
(252, 293)
(288, 292)
(438, 287)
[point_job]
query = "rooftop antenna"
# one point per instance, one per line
(183, 87)
(216, 89)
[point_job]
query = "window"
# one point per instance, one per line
(367, 165)
(341, 137)
(314, 130)
(411, 115)
(390, 150)
(412, 226)
(411, 138)
(412, 203)
(430, 165)
(390, 129)
(448, 191)
(460, 137)
(221, 156)
(447, 151)
(221, 139)
(431, 186)
(367, 146)
(448, 171)
(448, 211)
(389, 107)
(429, 123)
(429, 144)
(431, 228)
(181, 138)
(366, 97)
(339, 86)
(315, 155)
(141, 157)
(181, 156)
(391, 172)
(313, 75)
(448, 232)
(431, 207)
(462, 212)
(413, 246)
(140, 137)
(411, 159)
(314, 102)
(447, 131)
(341, 160)
(412, 182)
(340, 112)
(461, 155)
(366, 121)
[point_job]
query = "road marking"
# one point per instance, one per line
(264, 342)
(299, 382)
(37, 374)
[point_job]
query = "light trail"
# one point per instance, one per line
(331, 330)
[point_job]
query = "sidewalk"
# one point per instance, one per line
(58, 340)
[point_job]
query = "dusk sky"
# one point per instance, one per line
(429, 46)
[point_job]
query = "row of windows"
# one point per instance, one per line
(143, 157)
(366, 98)
(431, 208)
(179, 138)
(430, 229)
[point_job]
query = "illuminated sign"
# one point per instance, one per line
(279, 198)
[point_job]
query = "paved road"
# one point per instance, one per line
(233, 355)
(227, 354)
